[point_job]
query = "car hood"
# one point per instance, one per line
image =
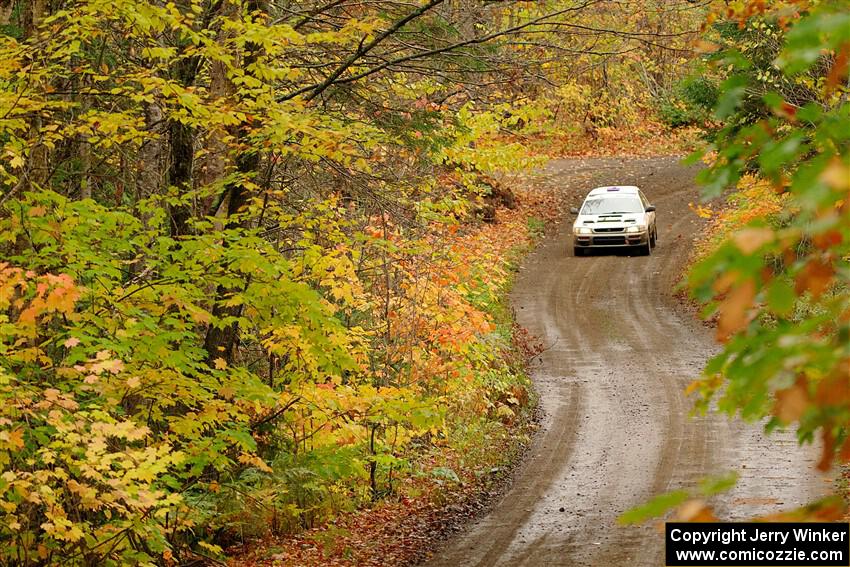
(608, 220)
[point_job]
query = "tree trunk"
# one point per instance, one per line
(180, 172)
(216, 160)
(149, 178)
(222, 342)
(32, 12)
(84, 151)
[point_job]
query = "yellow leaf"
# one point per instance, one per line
(220, 363)
(13, 440)
(836, 175)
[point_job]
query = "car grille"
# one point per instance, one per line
(616, 229)
(609, 240)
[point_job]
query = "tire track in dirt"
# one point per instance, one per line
(616, 428)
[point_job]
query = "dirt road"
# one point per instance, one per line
(616, 428)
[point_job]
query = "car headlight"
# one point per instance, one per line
(636, 228)
(582, 230)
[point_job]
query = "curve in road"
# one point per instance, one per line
(616, 427)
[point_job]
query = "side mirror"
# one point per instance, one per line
(650, 209)
(573, 210)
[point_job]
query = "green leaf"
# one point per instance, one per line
(715, 485)
(445, 473)
(781, 297)
(732, 93)
(654, 508)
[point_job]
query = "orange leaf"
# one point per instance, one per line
(825, 462)
(733, 309)
(702, 46)
(827, 240)
(724, 282)
(751, 239)
(695, 511)
(788, 111)
(834, 390)
(16, 439)
(838, 71)
(815, 277)
(27, 316)
(791, 403)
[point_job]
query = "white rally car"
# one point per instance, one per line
(615, 216)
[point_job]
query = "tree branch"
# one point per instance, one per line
(474, 41)
(362, 50)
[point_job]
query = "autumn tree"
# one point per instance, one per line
(230, 259)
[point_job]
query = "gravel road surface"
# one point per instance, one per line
(616, 427)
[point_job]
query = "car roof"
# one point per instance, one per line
(614, 190)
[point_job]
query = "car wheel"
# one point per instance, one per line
(578, 251)
(653, 239)
(646, 249)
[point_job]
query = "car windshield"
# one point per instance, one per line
(612, 205)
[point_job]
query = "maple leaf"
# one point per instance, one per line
(815, 277)
(733, 309)
(791, 403)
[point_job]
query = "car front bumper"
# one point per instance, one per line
(610, 240)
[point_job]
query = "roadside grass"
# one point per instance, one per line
(536, 227)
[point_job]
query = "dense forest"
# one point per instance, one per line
(240, 282)
(254, 253)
